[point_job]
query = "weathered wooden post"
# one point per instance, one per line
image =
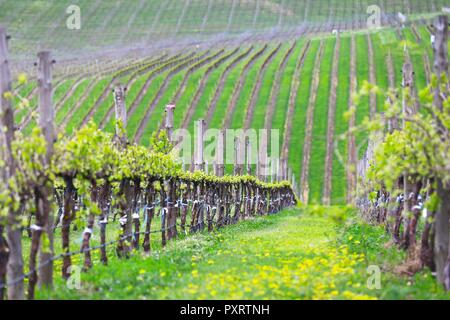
(44, 216)
(121, 114)
(46, 122)
(126, 189)
(169, 120)
(407, 83)
(171, 209)
(219, 161)
(11, 261)
(442, 225)
(199, 129)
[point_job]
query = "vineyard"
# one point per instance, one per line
(217, 85)
(91, 170)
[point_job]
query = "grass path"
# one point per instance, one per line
(291, 255)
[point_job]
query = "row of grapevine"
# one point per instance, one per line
(95, 176)
(403, 176)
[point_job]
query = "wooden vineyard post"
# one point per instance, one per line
(199, 129)
(121, 114)
(43, 192)
(407, 82)
(219, 161)
(169, 120)
(171, 210)
(125, 192)
(11, 261)
(46, 122)
(442, 227)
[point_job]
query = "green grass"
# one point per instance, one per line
(238, 117)
(207, 94)
(23, 92)
(157, 115)
(264, 94)
(362, 74)
(383, 42)
(338, 180)
(299, 118)
(320, 125)
(71, 101)
(243, 100)
(187, 96)
(131, 95)
(135, 119)
(416, 54)
(77, 117)
(282, 103)
(119, 23)
(219, 115)
(381, 70)
(426, 39)
(296, 254)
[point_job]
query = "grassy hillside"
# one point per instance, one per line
(123, 23)
(257, 83)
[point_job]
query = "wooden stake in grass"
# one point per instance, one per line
(43, 192)
(169, 120)
(442, 225)
(6, 137)
(46, 122)
(125, 190)
(121, 113)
